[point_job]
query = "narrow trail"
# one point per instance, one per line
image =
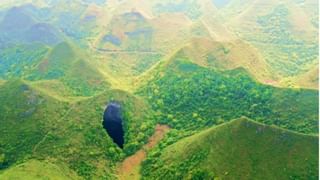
(45, 137)
(129, 169)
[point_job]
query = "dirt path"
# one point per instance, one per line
(130, 167)
(45, 137)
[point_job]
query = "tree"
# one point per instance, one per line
(2, 159)
(200, 174)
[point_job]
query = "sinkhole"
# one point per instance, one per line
(112, 123)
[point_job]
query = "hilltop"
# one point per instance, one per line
(239, 149)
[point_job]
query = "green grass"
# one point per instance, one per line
(84, 80)
(38, 170)
(2, 82)
(26, 117)
(240, 149)
(56, 89)
(56, 63)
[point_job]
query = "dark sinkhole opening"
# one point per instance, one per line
(112, 123)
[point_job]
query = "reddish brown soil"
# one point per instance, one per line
(129, 168)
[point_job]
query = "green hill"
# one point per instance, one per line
(56, 63)
(228, 55)
(14, 23)
(70, 65)
(84, 80)
(19, 61)
(38, 170)
(240, 149)
(25, 117)
(37, 126)
(188, 96)
(284, 32)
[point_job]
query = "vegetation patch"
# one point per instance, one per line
(187, 96)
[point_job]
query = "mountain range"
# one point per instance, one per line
(234, 81)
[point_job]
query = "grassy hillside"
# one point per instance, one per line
(240, 149)
(56, 89)
(228, 55)
(308, 79)
(38, 170)
(86, 82)
(285, 32)
(2, 82)
(25, 117)
(188, 96)
(37, 126)
(70, 65)
(58, 61)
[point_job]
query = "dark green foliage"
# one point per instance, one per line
(177, 170)
(189, 97)
(137, 130)
(83, 169)
(199, 174)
